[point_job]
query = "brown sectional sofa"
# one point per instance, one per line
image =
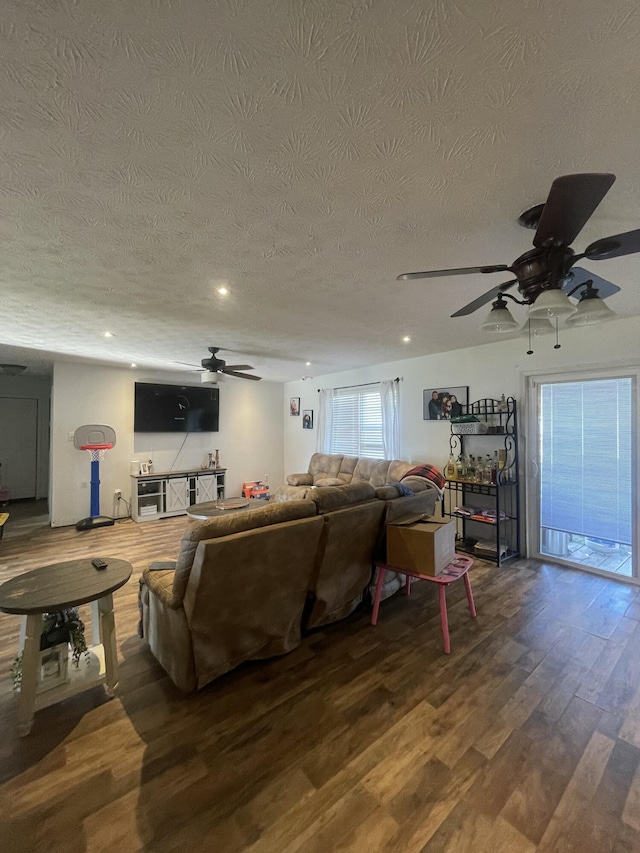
(244, 586)
(334, 469)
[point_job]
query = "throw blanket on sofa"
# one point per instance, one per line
(429, 472)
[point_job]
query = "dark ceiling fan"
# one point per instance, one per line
(218, 365)
(550, 264)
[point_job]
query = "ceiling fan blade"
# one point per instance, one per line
(489, 296)
(581, 276)
(240, 375)
(238, 367)
(614, 247)
(408, 276)
(569, 205)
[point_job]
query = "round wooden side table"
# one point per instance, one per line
(53, 588)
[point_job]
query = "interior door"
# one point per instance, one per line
(582, 479)
(19, 446)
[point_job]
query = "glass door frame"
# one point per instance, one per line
(532, 383)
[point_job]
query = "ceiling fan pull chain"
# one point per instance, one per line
(557, 343)
(529, 351)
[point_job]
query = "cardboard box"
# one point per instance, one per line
(426, 546)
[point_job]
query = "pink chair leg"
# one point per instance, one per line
(378, 595)
(467, 586)
(444, 622)
(407, 584)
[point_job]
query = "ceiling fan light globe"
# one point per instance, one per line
(499, 321)
(550, 304)
(536, 326)
(590, 312)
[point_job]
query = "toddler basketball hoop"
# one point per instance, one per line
(96, 439)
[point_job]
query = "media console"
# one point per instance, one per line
(173, 492)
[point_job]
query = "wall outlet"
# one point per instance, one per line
(117, 493)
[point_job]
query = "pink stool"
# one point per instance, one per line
(455, 570)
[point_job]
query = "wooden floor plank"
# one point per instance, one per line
(525, 738)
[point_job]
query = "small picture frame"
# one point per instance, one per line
(307, 419)
(53, 667)
(144, 467)
(294, 406)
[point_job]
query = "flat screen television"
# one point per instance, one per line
(175, 408)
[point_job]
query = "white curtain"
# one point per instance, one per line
(389, 395)
(325, 420)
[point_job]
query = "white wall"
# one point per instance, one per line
(489, 370)
(250, 439)
(38, 388)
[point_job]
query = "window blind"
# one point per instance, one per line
(586, 456)
(357, 422)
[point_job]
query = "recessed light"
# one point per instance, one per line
(133, 364)
(108, 335)
(307, 364)
(222, 291)
(406, 339)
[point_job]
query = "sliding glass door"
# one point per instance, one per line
(583, 474)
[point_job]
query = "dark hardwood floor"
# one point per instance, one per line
(525, 738)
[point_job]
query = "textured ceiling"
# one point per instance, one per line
(303, 154)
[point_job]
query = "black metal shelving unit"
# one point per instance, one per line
(498, 539)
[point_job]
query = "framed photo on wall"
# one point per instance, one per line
(445, 402)
(307, 419)
(294, 406)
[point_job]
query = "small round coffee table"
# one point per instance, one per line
(212, 509)
(58, 587)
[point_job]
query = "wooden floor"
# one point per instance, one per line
(525, 738)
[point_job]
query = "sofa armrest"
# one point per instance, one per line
(158, 578)
(299, 480)
(421, 484)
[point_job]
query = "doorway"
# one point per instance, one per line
(583, 470)
(19, 446)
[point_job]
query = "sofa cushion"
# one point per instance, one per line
(236, 522)
(336, 497)
(347, 467)
(372, 471)
(323, 465)
(329, 481)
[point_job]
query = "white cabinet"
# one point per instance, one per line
(172, 493)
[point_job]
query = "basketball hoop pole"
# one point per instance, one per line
(97, 455)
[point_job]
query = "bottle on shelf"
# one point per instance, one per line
(486, 470)
(472, 469)
(461, 468)
(450, 468)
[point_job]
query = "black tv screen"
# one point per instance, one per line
(175, 408)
